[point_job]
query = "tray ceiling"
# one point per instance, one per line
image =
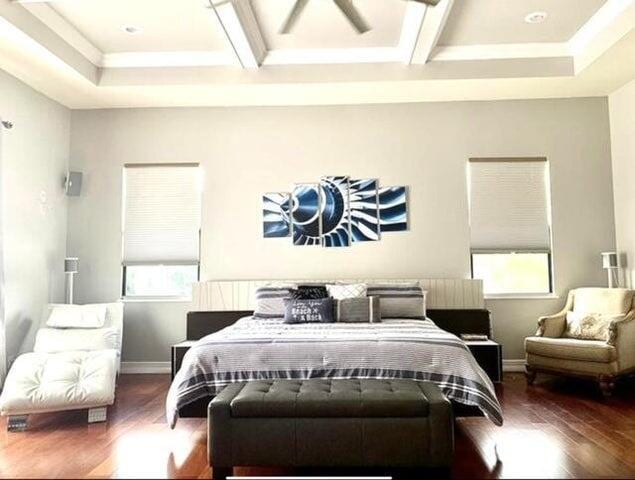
(166, 25)
(482, 22)
(192, 46)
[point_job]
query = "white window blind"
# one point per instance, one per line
(509, 204)
(162, 214)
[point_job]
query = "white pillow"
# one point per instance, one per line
(51, 340)
(76, 316)
(342, 291)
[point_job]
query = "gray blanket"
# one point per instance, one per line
(256, 349)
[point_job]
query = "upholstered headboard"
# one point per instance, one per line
(223, 295)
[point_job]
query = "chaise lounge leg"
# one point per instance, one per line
(607, 385)
(221, 473)
(530, 375)
(96, 415)
(17, 423)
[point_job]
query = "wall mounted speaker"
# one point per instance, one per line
(73, 185)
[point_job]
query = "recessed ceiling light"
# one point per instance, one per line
(132, 30)
(536, 17)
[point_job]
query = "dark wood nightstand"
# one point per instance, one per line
(178, 352)
(489, 356)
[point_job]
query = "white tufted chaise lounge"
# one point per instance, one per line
(69, 369)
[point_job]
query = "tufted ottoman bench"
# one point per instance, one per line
(330, 423)
(50, 382)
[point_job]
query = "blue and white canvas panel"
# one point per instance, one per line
(364, 210)
(275, 215)
(335, 214)
(305, 214)
(393, 209)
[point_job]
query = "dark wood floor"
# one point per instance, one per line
(558, 428)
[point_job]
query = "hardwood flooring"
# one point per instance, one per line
(557, 428)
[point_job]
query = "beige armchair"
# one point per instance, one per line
(552, 350)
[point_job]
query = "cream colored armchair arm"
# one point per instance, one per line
(553, 325)
(622, 337)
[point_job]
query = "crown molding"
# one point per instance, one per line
(325, 56)
(500, 51)
(168, 59)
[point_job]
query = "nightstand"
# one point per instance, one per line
(178, 352)
(489, 356)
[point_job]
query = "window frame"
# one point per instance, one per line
(550, 263)
(549, 293)
(151, 298)
(154, 298)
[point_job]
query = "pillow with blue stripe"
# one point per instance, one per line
(270, 300)
(399, 300)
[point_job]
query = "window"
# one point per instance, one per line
(510, 225)
(161, 230)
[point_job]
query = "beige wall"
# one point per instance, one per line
(622, 120)
(248, 151)
(34, 159)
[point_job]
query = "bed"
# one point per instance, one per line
(255, 349)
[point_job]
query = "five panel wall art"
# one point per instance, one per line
(335, 212)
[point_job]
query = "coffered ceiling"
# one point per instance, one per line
(100, 53)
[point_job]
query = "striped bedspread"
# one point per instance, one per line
(256, 349)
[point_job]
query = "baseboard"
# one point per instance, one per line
(515, 365)
(146, 367)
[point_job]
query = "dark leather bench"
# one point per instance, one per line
(330, 423)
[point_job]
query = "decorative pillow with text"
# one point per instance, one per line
(309, 311)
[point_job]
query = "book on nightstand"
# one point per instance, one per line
(473, 337)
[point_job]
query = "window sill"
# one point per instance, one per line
(156, 299)
(520, 296)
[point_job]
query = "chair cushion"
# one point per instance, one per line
(48, 382)
(571, 349)
(331, 398)
(611, 301)
(51, 340)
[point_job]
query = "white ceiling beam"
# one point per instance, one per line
(433, 23)
(47, 15)
(238, 20)
(411, 28)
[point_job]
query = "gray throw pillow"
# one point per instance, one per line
(358, 310)
(308, 310)
(400, 300)
(270, 300)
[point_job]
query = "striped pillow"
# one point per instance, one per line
(399, 300)
(358, 310)
(270, 300)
